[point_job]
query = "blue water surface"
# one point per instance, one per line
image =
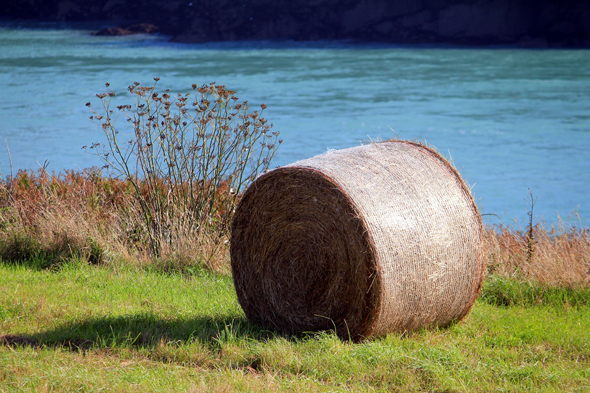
(510, 119)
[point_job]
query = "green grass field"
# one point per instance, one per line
(90, 328)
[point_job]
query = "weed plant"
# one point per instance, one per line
(187, 158)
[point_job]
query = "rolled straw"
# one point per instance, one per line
(369, 240)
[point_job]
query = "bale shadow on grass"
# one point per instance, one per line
(142, 330)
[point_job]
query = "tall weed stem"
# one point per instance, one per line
(187, 156)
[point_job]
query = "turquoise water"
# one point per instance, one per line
(510, 119)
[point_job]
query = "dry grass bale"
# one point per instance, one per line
(368, 240)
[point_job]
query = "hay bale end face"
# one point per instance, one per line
(368, 240)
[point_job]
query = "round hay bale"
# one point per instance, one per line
(368, 240)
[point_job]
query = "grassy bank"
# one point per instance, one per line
(89, 328)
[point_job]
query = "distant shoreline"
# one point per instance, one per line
(540, 24)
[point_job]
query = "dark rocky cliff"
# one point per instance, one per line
(537, 23)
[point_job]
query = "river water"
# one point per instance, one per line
(510, 119)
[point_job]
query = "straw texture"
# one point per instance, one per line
(368, 240)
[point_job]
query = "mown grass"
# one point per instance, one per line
(82, 327)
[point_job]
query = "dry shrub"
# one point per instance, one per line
(60, 217)
(182, 153)
(87, 216)
(560, 255)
